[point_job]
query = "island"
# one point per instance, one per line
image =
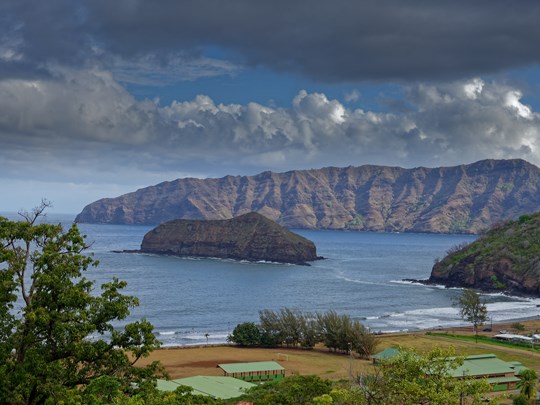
(505, 259)
(459, 199)
(251, 237)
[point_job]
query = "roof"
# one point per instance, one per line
(213, 386)
(386, 354)
(166, 385)
(511, 336)
(251, 367)
(502, 380)
(483, 365)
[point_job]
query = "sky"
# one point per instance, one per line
(99, 98)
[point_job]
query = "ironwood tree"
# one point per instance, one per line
(472, 309)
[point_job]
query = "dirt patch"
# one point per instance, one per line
(209, 363)
(180, 363)
(192, 361)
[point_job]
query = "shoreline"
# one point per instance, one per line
(533, 322)
(510, 294)
(187, 361)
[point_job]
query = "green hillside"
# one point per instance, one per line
(506, 258)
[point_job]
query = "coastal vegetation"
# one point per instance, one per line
(506, 258)
(472, 309)
(291, 328)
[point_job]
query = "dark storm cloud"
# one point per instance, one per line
(37, 33)
(343, 40)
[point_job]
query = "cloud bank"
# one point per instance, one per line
(67, 115)
(82, 124)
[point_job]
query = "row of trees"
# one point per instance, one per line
(293, 328)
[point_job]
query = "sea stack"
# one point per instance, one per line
(251, 237)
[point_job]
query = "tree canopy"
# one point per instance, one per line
(414, 378)
(294, 328)
(527, 382)
(57, 332)
(472, 309)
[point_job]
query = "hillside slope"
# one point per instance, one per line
(459, 199)
(506, 258)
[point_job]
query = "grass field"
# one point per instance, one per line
(192, 361)
(185, 362)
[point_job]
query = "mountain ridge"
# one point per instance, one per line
(451, 199)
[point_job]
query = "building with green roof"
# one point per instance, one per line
(386, 354)
(501, 375)
(257, 371)
(212, 386)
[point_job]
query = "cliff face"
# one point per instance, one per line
(248, 237)
(507, 258)
(460, 199)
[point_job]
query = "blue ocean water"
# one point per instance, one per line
(187, 298)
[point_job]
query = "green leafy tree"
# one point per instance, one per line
(56, 331)
(362, 340)
(271, 330)
(472, 309)
(246, 334)
(294, 390)
(520, 400)
(309, 331)
(518, 326)
(340, 332)
(527, 382)
(330, 329)
(288, 327)
(412, 378)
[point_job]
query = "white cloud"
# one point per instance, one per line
(83, 127)
(353, 95)
(512, 101)
(473, 88)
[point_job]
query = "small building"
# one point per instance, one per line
(257, 371)
(514, 338)
(501, 375)
(386, 354)
(212, 386)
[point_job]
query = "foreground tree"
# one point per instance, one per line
(412, 378)
(294, 390)
(56, 332)
(527, 382)
(472, 309)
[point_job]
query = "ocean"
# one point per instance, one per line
(193, 301)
